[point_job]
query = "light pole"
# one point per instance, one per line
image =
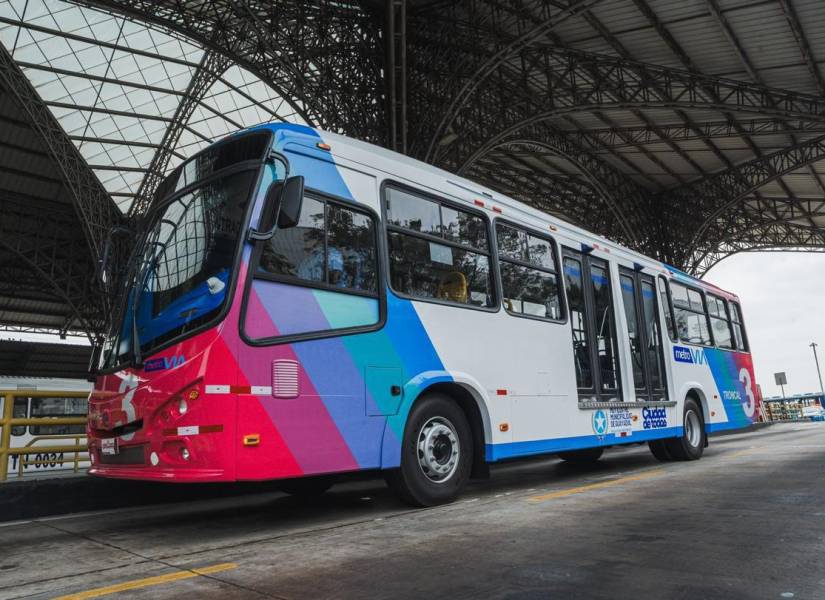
(813, 346)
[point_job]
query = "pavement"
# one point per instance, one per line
(746, 521)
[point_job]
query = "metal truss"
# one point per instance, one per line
(93, 204)
(324, 58)
(618, 138)
(210, 69)
(711, 204)
(55, 259)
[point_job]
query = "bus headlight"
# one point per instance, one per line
(182, 406)
(184, 453)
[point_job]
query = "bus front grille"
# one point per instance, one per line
(129, 455)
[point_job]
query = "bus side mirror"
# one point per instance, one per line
(283, 199)
(291, 200)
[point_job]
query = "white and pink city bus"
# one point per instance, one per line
(303, 304)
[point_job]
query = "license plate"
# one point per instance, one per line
(109, 446)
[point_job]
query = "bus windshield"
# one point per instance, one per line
(182, 272)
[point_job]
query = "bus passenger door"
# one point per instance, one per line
(592, 321)
(644, 334)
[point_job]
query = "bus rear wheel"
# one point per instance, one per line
(436, 453)
(588, 455)
(691, 444)
(659, 450)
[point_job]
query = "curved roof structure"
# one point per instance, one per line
(689, 130)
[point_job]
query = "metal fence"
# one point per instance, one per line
(73, 444)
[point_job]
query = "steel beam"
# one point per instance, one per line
(209, 70)
(95, 207)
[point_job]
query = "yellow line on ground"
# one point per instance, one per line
(596, 486)
(149, 581)
(742, 453)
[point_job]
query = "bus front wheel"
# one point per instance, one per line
(436, 453)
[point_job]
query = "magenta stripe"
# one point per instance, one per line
(304, 423)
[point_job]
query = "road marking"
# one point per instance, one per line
(742, 453)
(149, 581)
(596, 486)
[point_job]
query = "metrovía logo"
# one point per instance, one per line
(694, 356)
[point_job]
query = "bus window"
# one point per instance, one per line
(653, 335)
(669, 324)
(58, 407)
(578, 322)
(719, 322)
(605, 331)
(436, 251)
(327, 265)
(691, 318)
(738, 327)
(528, 273)
(633, 330)
(20, 410)
(331, 245)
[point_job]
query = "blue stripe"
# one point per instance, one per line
(496, 452)
(711, 427)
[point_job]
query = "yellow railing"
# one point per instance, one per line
(7, 422)
(80, 456)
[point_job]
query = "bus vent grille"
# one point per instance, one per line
(285, 378)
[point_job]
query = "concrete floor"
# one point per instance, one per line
(747, 521)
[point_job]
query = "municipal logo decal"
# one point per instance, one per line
(600, 422)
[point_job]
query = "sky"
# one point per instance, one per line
(783, 304)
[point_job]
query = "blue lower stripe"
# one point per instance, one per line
(711, 427)
(496, 452)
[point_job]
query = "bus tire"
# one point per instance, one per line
(306, 487)
(587, 455)
(659, 450)
(691, 444)
(436, 453)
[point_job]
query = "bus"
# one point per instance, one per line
(304, 304)
(45, 398)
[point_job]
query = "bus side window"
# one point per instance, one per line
(320, 275)
(719, 322)
(665, 296)
(691, 318)
(528, 273)
(20, 410)
(738, 327)
(436, 251)
(58, 407)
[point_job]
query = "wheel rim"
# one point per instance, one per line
(438, 449)
(693, 429)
